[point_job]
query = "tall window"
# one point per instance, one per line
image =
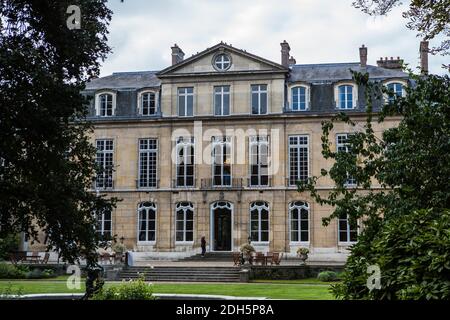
(104, 224)
(148, 103)
(147, 221)
(104, 159)
(184, 222)
(345, 98)
(299, 99)
(259, 167)
(342, 145)
(396, 88)
(298, 159)
(259, 99)
(105, 105)
(222, 100)
(348, 231)
(185, 162)
(185, 102)
(259, 221)
(221, 154)
(299, 215)
(148, 152)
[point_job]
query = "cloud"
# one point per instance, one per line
(318, 31)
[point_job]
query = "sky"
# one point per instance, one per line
(318, 31)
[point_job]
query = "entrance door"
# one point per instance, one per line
(221, 226)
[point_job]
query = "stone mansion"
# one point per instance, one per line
(214, 144)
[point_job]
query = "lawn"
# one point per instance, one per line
(296, 289)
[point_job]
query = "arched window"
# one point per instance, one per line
(397, 90)
(147, 103)
(299, 221)
(346, 96)
(259, 221)
(299, 98)
(104, 224)
(147, 222)
(105, 104)
(184, 222)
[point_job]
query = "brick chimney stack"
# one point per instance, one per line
(392, 63)
(363, 56)
(292, 61)
(285, 50)
(424, 57)
(177, 54)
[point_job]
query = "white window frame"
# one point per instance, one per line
(354, 95)
(141, 207)
(184, 206)
(222, 93)
(299, 205)
(185, 96)
(149, 152)
(184, 143)
(349, 182)
(259, 208)
(403, 83)
(348, 230)
(141, 101)
(102, 163)
(258, 141)
(101, 223)
(259, 91)
(307, 97)
(225, 64)
(97, 103)
(223, 142)
(298, 146)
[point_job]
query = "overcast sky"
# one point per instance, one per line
(318, 31)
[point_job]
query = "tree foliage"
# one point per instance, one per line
(48, 161)
(401, 177)
(430, 18)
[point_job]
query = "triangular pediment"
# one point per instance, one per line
(240, 62)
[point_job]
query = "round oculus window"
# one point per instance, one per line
(222, 62)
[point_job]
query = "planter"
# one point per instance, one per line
(303, 257)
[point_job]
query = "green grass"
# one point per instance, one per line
(272, 289)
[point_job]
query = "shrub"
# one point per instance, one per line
(8, 244)
(40, 274)
(9, 271)
(302, 251)
(131, 290)
(327, 276)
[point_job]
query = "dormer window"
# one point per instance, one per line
(105, 104)
(299, 98)
(397, 88)
(147, 103)
(346, 96)
(222, 62)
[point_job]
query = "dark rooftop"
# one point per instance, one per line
(123, 80)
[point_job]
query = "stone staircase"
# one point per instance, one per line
(210, 256)
(182, 274)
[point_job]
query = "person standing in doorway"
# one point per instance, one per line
(203, 245)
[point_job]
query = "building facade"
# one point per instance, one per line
(214, 144)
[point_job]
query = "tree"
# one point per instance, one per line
(48, 161)
(430, 18)
(411, 163)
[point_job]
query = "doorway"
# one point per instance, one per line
(221, 226)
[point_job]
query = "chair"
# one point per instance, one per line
(45, 259)
(259, 257)
(276, 258)
(236, 259)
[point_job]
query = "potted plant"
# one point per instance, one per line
(302, 253)
(119, 249)
(247, 250)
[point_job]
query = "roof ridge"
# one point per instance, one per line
(133, 72)
(325, 64)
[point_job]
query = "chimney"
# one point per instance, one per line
(292, 61)
(363, 56)
(177, 54)
(285, 49)
(424, 57)
(395, 64)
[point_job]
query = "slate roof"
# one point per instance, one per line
(333, 72)
(124, 80)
